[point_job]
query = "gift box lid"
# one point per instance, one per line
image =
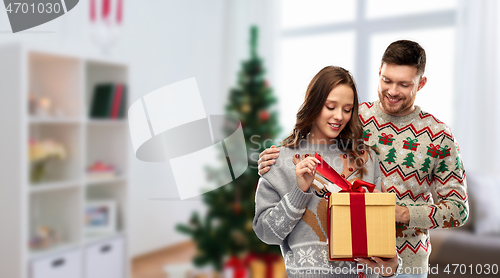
(371, 199)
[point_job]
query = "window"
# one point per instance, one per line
(394, 8)
(438, 43)
(354, 35)
(302, 58)
(299, 13)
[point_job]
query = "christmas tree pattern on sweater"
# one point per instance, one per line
(415, 152)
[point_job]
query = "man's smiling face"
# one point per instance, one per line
(398, 86)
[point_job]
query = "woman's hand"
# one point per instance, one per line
(386, 267)
(305, 171)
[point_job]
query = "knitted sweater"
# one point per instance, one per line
(416, 152)
(296, 220)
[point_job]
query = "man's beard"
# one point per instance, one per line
(402, 105)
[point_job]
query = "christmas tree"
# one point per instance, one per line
(425, 166)
(409, 160)
(442, 167)
(390, 156)
(226, 229)
(458, 164)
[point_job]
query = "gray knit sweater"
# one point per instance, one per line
(296, 220)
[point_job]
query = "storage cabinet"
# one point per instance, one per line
(105, 260)
(66, 265)
(44, 230)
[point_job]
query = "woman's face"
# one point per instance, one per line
(335, 115)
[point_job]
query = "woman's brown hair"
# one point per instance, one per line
(317, 92)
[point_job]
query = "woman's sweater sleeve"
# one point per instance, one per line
(275, 216)
(377, 174)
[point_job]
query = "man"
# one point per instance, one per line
(415, 151)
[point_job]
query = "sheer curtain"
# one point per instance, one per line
(477, 90)
(239, 16)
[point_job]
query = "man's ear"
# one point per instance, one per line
(379, 71)
(421, 84)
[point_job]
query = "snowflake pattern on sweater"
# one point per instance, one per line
(416, 152)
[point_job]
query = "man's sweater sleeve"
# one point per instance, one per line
(275, 217)
(452, 207)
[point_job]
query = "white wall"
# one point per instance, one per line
(168, 41)
(164, 42)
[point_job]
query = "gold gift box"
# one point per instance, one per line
(380, 225)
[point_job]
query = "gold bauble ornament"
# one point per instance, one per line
(246, 108)
(248, 226)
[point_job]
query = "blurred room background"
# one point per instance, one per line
(65, 165)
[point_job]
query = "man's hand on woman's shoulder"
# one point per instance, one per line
(267, 158)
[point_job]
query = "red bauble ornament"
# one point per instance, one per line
(237, 208)
(264, 115)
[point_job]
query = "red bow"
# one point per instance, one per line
(387, 135)
(330, 174)
(434, 147)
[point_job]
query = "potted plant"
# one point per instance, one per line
(40, 153)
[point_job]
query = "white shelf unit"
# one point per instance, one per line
(60, 199)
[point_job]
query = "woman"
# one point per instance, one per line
(290, 208)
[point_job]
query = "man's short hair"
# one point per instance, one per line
(405, 53)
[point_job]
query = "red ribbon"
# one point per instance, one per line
(329, 173)
(358, 225)
(357, 206)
